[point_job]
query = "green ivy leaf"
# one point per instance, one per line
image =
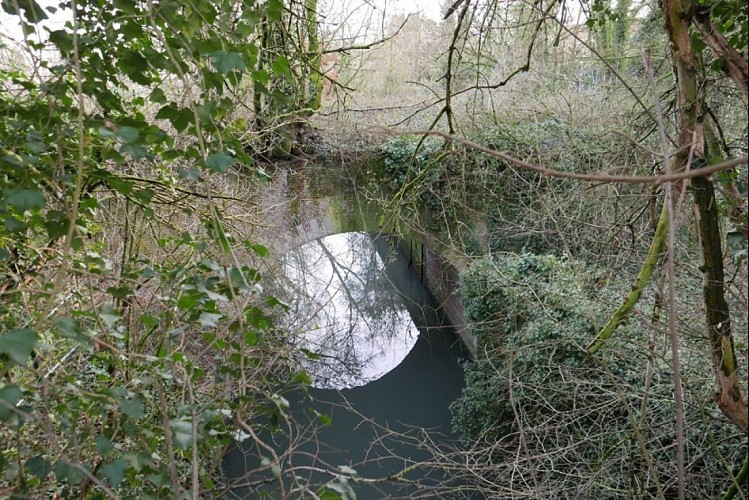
(120, 292)
(223, 237)
(219, 162)
(191, 174)
(225, 62)
(212, 295)
(134, 65)
(105, 132)
(19, 344)
(302, 377)
(242, 277)
(261, 76)
(182, 430)
(327, 493)
(158, 480)
(281, 401)
(71, 329)
(126, 6)
(103, 444)
(737, 245)
(114, 473)
(144, 195)
(133, 408)
(13, 225)
(109, 315)
(135, 151)
(31, 9)
(281, 66)
(259, 249)
(274, 9)
(10, 395)
(39, 467)
(56, 223)
(24, 199)
(36, 147)
(272, 301)
(208, 320)
(180, 118)
(157, 96)
(63, 40)
(187, 302)
(137, 460)
(338, 488)
(345, 469)
(743, 187)
(310, 354)
(66, 472)
(127, 135)
(323, 418)
(697, 43)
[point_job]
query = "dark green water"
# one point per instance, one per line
(396, 367)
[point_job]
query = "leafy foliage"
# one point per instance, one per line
(731, 19)
(126, 321)
(405, 159)
(538, 392)
(535, 307)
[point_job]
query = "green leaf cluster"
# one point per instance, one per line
(126, 316)
(533, 315)
(533, 308)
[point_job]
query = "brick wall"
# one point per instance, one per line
(441, 278)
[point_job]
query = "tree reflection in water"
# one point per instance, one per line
(348, 318)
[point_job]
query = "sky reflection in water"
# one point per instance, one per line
(349, 317)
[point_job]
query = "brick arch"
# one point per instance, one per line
(317, 218)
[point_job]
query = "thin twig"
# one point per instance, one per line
(519, 423)
(673, 333)
(627, 179)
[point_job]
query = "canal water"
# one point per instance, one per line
(384, 368)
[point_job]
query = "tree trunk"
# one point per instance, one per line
(718, 316)
(316, 78)
(678, 17)
(732, 62)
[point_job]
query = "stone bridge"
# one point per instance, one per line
(298, 213)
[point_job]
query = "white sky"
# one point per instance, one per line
(429, 8)
(10, 27)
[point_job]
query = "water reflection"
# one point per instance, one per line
(350, 322)
(366, 312)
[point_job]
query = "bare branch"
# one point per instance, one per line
(627, 179)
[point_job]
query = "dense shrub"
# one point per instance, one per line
(534, 307)
(403, 162)
(542, 411)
